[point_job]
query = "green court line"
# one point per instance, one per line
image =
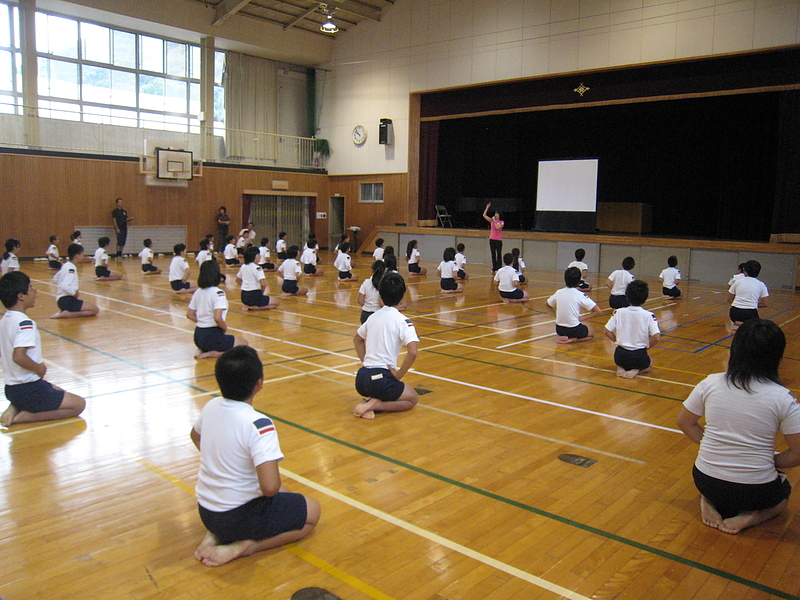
(603, 385)
(537, 511)
(543, 513)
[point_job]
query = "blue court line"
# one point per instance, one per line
(728, 337)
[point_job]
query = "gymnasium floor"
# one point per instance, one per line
(463, 497)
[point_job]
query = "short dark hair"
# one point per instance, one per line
(343, 247)
(229, 239)
(672, 261)
(752, 268)
(392, 288)
(379, 242)
(637, 292)
(178, 248)
(103, 242)
(292, 252)
(460, 247)
(628, 263)
(147, 242)
(73, 250)
(580, 253)
(741, 267)
(209, 274)
(572, 277)
(282, 235)
(12, 284)
(223, 208)
(53, 238)
(508, 258)
(75, 234)
(11, 244)
(264, 241)
(390, 260)
(311, 243)
(250, 254)
(238, 371)
(204, 244)
(756, 352)
(388, 250)
(449, 254)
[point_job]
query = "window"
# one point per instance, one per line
(10, 61)
(370, 192)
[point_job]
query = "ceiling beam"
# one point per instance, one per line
(226, 8)
(301, 17)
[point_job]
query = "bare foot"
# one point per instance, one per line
(216, 556)
(735, 524)
(208, 542)
(562, 339)
(364, 410)
(8, 415)
(245, 308)
(630, 374)
(711, 517)
(212, 354)
(62, 314)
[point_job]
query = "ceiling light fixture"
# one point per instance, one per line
(328, 26)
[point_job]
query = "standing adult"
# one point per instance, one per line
(121, 218)
(495, 237)
(223, 226)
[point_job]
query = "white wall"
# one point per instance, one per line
(429, 44)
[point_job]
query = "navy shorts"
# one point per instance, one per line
(583, 285)
(148, 268)
(122, 237)
(672, 292)
(212, 339)
(618, 301)
(101, 272)
(290, 286)
(254, 298)
(448, 283)
(260, 518)
(54, 264)
(522, 278)
(70, 304)
(630, 360)
(414, 268)
(462, 274)
(365, 315)
(267, 266)
(515, 295)
(232, 261)
(580, 331)
(309, 269)
(345, 275)
(731, 498)
(281, 255)
(378, 383)
(36, 396)
(741, 315)
(178, 285)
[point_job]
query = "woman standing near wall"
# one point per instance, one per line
(495, 237)
(223, 224)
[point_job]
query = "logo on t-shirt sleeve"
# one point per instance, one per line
(25, 325)
(263, 426)
(410, 324)
(220, 292)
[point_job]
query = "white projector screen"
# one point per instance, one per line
(567, 185)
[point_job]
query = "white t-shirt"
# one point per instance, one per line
(100, 257)
(580, 265)
(52, 252)
(264, 252)
(178, 268)
(9, 264)
(146, 255)
(372, 299)
(461, 260)
(735, 278)
(251, 275)
(203, 256)
(748, 291)
(385, 333)
(18, 330)
(67, 280)
(633, 327)
(620, 278)
(738, 444)
(568, 303)
(241, 242)
(230, 251)
(521, 265)
(447, 269)
(670, 277)
(506, 276)
(290, 269)
(342, 262)
(378, 254)
(205, 301)
(414, 258)
(309, 257)
(234, 440)
(280, 246)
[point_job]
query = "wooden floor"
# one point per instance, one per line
(462, 498)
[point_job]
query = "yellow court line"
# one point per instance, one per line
(46, 426)
(313, 560)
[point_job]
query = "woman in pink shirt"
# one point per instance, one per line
(495, 237)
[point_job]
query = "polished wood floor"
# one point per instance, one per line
(462, 498)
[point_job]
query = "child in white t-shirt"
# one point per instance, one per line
(618, 282)
(179, 271)
(568, 302)
(309, 259)
(379, 250)
(578, 263)
(101, 270)
(461, 263)
(342, 263)
(289, 271)
(254, 284)
(53, 260)
(148, 268)
(670, 277)
(447, 271)
(508, 281)
(634, 330)
(263, 259)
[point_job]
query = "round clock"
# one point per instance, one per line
(359, 135)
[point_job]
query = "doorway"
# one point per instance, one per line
(336, 220)
(272, 214)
